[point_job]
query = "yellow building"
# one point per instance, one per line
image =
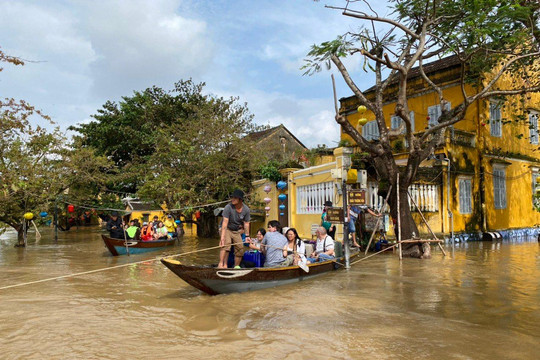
(492, 155)
(306, 191)
(490, 159)
(143, 211)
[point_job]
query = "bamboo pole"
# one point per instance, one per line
(413, 241)
(399, 219)
(378, 252)
(425, 221)
(378, 219)
(38, 234)
(125, 238)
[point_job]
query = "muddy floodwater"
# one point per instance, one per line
(481, 303)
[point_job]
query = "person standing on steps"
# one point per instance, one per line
(236, 216)
(330, 228)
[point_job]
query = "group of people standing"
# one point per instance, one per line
(149, 231)
(353, 214)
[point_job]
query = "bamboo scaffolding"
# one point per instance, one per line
(425, 221)
(399, 220)
(412, 241)
(378, 219)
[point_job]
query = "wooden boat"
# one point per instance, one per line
(118, 246)
(214, 281)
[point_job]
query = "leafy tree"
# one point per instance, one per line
(180, 146)
(36, 165)
(490, 39)
(129, 132)
(270, 171)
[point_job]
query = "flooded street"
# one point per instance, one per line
(482, 303)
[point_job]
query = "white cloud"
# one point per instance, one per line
(93, 51)
(310, 120)
(89, 52)
(142, 43)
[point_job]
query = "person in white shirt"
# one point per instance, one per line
(295, 250)
(324, 249)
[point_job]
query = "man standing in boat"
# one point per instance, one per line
(236, 216)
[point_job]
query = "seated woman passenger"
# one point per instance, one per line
(325, 247)
(161, 232)
(255, 243)
(147, 232)
(295, 250)
(273, 244)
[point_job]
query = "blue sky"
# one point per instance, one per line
(88, 52)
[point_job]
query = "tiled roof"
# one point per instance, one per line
(259, 135)
(438, 65)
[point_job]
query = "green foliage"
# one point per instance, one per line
(321, 54)
(270, 171)
(344, 143)
(158, 138)
(37, 165)
(398, 146)
(195, 151)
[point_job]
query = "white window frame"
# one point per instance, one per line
(465, 195)
(499, 187)
(533, 127)
(395, 122)
(434, 113)
(310, 198)
(495, 119)
(370, 131)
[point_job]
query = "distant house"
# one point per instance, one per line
(144, 211)
(278, 143)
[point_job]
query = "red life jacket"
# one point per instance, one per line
(147, 233)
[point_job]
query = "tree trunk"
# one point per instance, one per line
(207, 225)
(20, 235)
(409, 230)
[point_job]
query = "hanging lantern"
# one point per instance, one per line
(71, 208)
(362, 109)
(282, 197)
(267, 200)
(28, 216)
(362, 121)
(282, 207)
(267, 208)
(281, 185)
(267, 189)
(43, 214)
(197, 214)
(281, 214)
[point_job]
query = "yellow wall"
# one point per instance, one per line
(259, 204)
(513, 147)
(146, 215)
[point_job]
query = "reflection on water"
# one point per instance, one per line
(482, 303)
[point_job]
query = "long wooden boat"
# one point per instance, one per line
(214, 281)
(118, 246)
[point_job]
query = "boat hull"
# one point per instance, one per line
(214, 281)
(118, 246)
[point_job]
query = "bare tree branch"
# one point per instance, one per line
(364, 16)
(347, 77)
